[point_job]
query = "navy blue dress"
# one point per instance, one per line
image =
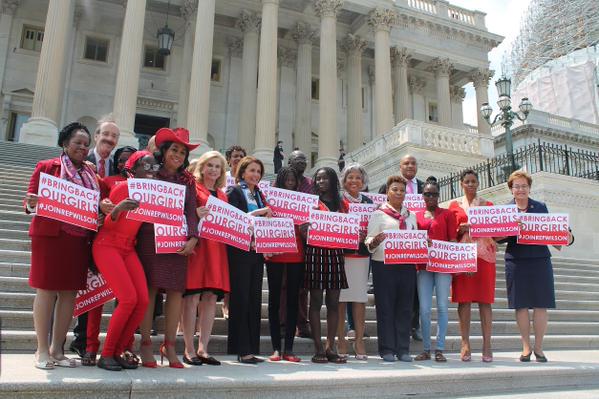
(528, 271)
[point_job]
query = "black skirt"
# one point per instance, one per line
(325, 269)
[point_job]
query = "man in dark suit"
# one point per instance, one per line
(106, 138)
(408, 167)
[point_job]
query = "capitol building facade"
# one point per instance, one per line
(320, 75)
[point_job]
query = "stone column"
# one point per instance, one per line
(381, 20)
(287, 58)
(354, 46)
(198, 105)
(417, 86)
(480, 78)
(249, 23)
(304, 36)
(127, 78)
(442, 68)
(457, 115)
(234, 92)
(328, 136)
(400, 59)
(266, 109)
(49, 86)
(9, 8)
(189, 14)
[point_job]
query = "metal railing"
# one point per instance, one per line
(538, 157)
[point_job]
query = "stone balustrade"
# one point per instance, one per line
(552, 121)
(425, 135)
(443, 9)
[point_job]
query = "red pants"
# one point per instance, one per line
(94, 319)
(125, 275)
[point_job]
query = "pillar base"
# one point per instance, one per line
(266, 156)
(326, 161)
(204, 147)
(127, 137)
(39, 131)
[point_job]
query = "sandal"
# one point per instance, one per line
(320, 358)
(64, 362)
(130, 357)
(426, 355)
(332, 357)
(88, 359)
(439, 357)
(43, 364)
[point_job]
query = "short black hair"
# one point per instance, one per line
(282, 176)
(232, 149)
(432, 181)
(334, 186)
(117, 155)
(467, 172)
(159, 155)
(67, 132)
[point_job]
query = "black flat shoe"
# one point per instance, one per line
(125, 364)
(209, 361)
(248, 360)
(194, 361)
(540, 358)
(109, 363)
(526, 358)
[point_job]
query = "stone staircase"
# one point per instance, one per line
(573, 325)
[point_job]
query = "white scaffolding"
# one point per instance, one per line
(551, 29)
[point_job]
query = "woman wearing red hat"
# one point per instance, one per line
(115, 256)
(168, 272)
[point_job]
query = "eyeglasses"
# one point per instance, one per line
(154, 167)
(434, 195)
(518, 187)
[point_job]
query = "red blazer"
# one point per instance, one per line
(41, 226)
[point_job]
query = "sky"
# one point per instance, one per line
(503, 18)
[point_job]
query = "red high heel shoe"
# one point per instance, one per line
(174, 365)
(153, 364)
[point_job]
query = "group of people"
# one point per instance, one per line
(203, 272)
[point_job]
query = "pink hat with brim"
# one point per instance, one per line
(178, 135)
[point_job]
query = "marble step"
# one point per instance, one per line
(565, 312)
(23, 320)
(18, 216)
(14, 225)
(17, 341)
(14, 234)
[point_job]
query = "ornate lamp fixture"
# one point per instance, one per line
(166, 36)
(506, 116)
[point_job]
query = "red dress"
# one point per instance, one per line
(208, 267)
(479, 287)
(59, 258)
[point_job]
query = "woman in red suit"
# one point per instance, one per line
(115, 256)
(480, 286)
(94, 316)
(208, 266)
(57, 277)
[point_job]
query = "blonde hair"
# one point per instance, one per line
(519, 174)
(199, 165)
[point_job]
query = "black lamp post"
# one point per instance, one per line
(506, 116)
(166, 36)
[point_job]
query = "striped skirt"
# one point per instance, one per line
(325, 269)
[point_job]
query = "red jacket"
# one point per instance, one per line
(41, 226)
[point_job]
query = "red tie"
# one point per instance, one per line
(102, 171)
